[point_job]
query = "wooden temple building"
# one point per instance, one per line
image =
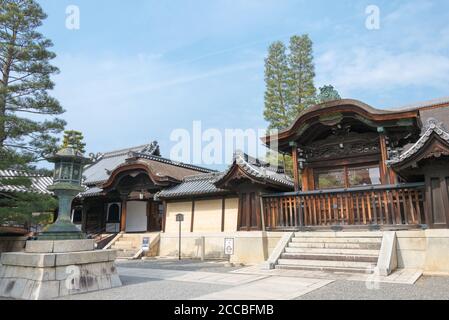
(354, 166)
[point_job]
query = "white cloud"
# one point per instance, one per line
(376, 69)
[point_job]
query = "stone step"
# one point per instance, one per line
(119, 245)
(339, 234)
(335, 245)
(330, 257)
(126, 254)
(332, 251)
(125, 242)
(327, 269)
(337, 240)
(326, 263)
(131, 236)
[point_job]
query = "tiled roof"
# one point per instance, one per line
(171, 162)
(259, 170)
(100, 171)
(423, 104)
(91, 192)
(97, 172)
(205, 184)
(201, 184)
(432, 127)
(39, 183)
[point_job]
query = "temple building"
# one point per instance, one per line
(355, 168)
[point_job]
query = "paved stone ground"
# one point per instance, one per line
(175, 264)
(160, 279)
(426, 288)
(137, 288)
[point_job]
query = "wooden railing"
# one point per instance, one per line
(401, 204)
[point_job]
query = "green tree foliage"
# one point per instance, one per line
(25, 81)
(328, 93)
(276, 100)
(74, 139)
(28, 114)
(301, 75)
(289, 80)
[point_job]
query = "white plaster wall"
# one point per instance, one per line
(249, 247)
(173, 208)
(231, 212)
(207, 215)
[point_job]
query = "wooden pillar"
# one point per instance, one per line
(192, 221)
(384, 171)
(164, 218)
(123, 215)
(84, 218)
(305, 179)
(295, 165)
(223, 209)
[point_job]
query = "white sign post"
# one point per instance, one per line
(145, 244)
(229, 248)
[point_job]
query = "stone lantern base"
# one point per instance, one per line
(56, 268)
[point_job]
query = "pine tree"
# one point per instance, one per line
(276, 99)
(328, 93)
(25, 81)
(24, 84)
(301, 75)
(74, 139)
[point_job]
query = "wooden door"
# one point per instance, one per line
(437, 197)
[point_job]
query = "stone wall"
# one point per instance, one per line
(249, 247)
(427, 250)
(12, 244)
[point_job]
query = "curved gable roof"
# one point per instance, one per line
(341, 106)
(255, 170)
(417, 151)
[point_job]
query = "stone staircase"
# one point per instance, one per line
(129, 244)
(332, 251)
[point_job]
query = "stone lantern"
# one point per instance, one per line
(69, 164)
(61, 261)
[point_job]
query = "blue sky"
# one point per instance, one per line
(136, 70)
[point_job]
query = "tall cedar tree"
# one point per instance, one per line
(301, 75)
(276, 92)
(74, 139)
(25, 79)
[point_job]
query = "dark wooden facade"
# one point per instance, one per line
(341, 154)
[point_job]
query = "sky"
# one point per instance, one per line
(136, 70)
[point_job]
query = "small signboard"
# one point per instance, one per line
(179, 217)
(146, 243)
(229, 246)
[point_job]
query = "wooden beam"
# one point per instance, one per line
(223, 208)
(305, 179)
(384, 172)
(123, 216)
(84, 218)
(192, 216)
(164, 217)
(295, 166)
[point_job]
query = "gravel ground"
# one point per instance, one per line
(217, 266)
(137, 288)
(426, 288)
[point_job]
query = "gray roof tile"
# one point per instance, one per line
(201, 184)
(433, 126)
(39, 183)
